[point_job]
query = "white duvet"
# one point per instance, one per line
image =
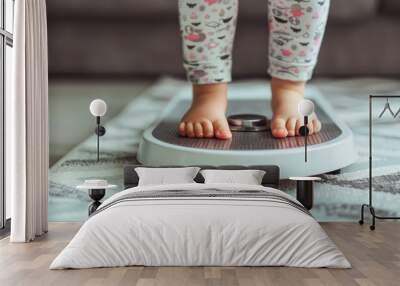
(188, 231)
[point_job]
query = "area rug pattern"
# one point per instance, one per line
(337, 197)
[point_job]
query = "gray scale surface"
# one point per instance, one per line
(166, 130)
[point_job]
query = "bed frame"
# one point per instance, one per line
(271, 177)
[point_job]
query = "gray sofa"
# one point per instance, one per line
(140, 38)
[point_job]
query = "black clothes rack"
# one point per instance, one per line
(369, 205)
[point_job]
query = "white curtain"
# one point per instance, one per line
(27, 123)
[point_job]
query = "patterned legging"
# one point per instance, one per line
(296, 28)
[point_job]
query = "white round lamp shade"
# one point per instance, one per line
(306, 107)
(98, 107)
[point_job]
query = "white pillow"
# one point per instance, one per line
(248, 177)
(164, 176)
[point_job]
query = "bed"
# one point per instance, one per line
(198, 224)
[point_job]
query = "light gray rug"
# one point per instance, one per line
(337, 197)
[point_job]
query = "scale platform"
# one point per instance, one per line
(330, 150)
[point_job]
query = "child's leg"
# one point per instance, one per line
(208, 28)
(296, 31)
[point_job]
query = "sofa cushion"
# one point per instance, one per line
(390, 7)
(351, 10)
(112, 8)
(341, 10)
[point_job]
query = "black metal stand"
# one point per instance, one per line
(305, 137)
(96, 195)
(100, 131)
(98, 145)
(304, 131)
(305, 193)
(369, 205)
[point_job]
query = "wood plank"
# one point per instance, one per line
(375, 257)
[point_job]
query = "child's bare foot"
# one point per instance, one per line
(206, 116)
(286, 120)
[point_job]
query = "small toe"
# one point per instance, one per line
(291, 126)
(317, 125)
(221, 129)
(190, 130)
(278, 128)
(310, 127)
(198, 130)
(208, 129)
(182, 129)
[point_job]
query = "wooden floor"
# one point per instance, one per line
(375, 257)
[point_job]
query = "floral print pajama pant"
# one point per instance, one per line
(296, 28)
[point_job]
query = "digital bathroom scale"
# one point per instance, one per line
(330, 150)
